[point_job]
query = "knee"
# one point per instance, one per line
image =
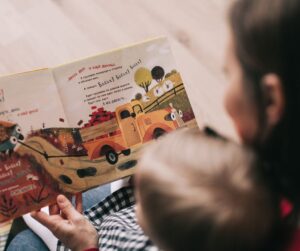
(27, 240)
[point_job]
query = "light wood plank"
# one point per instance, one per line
(45, 33)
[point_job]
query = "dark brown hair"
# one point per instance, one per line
(266, 34)
(199, 192)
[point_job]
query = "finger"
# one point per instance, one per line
(54, 209)
(56, 224)
(78, 202)
(43, 218)
(66, 207)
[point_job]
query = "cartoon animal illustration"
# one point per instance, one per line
(145, 98)
(158, 91)
(176, 115)
(163, 87)
(10, 135)
(168, 85)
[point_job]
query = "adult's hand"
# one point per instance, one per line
(68, 225)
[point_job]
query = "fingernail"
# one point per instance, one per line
(60, 199)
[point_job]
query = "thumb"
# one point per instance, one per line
(66, 207)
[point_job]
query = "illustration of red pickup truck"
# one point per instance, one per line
(131, 127)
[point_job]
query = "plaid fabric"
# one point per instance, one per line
(114, 219)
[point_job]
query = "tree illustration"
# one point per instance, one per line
(143, 78)
(7, 207)
(158, 73)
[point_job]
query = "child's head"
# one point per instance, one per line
(197, 192)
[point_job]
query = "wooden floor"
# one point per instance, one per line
(43, 33)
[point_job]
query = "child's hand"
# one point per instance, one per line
(68, 225)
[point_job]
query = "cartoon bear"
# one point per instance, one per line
(10, 135)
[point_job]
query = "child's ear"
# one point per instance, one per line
(275, 99)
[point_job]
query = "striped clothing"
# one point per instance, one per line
(114, 219)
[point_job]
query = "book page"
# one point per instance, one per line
(84, 124)
(119, 101)
(29, 103)
(31, 99)
(108, 80)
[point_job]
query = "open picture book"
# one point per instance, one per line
(76, 126)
